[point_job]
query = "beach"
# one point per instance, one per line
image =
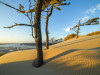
(6, 48)
(73, 57)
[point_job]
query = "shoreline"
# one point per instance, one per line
(74, 57)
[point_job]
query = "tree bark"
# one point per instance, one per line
(38, 38)
(46, 31)
(46, 27)
(78, 29)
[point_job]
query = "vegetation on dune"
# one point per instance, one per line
(1, 54)
(94, 33)
(70, 36)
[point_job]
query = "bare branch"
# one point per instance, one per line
(92, 20)
(30, 10)
(31, 22)
(21, 9)
(50, 11)
(9, 6)
(75, 30)
(32, 34)
(56, 7)
(89, 22)
(45, 4)
(18, 25)
(74, 27)
(29, 4)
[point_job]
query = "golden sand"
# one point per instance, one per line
(73, 57)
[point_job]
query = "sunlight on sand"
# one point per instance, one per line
(73, 57)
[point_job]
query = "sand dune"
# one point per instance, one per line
(73, 57)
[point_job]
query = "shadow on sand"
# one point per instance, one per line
(67, 52)
(52, 68)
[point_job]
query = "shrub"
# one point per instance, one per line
(70, 36)
(1, 54)
(94, 33)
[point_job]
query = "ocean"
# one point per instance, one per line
(6, 48)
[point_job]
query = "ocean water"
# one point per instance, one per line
(16, 45)
(6, 48)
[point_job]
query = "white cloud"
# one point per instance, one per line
(67, 29)
(98, 6)
(85, 18)
(93, 9)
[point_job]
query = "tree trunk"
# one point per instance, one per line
(46, 27)
(77, 33)
(46, 31)
(52, 41)
(38, 38)
(78, 29)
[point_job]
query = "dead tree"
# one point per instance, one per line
(46, 27)
(36, 25)
(60, 39)
(52, 39)
(39, 6)
(89, 22)
(78, 28)
(38, 36)
(56, 41)
(49, 13)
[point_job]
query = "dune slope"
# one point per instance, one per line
(73, 57)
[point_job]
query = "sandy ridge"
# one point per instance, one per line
(73, 57)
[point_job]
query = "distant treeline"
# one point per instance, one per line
(33, 44)
(6, 43)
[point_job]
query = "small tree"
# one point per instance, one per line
(46, 27)
(78, 28)
(89, 22)
(56, 41)
(37, 19)
(60, 39)
(52, 40)
(49, 13)
(39, 6)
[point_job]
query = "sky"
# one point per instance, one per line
(60, 22)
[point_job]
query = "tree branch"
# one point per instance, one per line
(18, 25)
(16, 9)
(50, 11)
(20, 10)
(30, 10)
(89, 22)
(9, 6)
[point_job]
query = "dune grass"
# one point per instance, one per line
(1, 53)
(70, 36)
(94, 33)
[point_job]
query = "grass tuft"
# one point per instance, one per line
(94, 33)
(70, 36)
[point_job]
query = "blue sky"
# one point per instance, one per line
(59, 22)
